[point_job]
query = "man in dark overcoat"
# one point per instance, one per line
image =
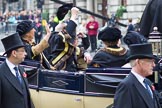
(14, 92)
(136, 91)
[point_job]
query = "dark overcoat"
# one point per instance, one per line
(132, 94)
(151, 17)
(61, 52)
(108, 58)
(11, 93)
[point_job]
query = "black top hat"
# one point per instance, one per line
(109, 34)
(141, 51)
(133, 37)
(63, 10)
(12, 42)
(24, 27)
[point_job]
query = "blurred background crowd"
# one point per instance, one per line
(118, 10)
(92, 20)
(103, 12)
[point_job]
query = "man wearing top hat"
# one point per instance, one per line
(14, 91)
(136, 91)
(112, 55)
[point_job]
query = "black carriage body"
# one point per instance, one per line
(94, 82)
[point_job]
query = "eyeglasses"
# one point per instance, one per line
(148, 60)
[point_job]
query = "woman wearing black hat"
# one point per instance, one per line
(34, 51)
(112, 55)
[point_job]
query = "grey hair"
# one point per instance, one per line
(132, 63)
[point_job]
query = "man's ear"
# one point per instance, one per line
(13, 53)
(137, 61)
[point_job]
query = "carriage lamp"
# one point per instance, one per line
(155, 38)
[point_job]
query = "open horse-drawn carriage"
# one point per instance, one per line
(92, 88)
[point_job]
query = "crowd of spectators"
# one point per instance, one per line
(86, 33)
(13, 18)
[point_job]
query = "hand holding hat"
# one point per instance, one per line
(63, 10)
(74, 13)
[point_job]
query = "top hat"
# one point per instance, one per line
(109, 34)
(24, 27)
(133, 37)
(63, 10)
(12, 42)
(141, 51)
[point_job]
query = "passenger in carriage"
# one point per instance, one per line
(62, 12)
(136, 89)
(133, 37)
(63, 51)
(34, 51)
(112, 55)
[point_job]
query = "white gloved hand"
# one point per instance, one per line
(74, 14)
(87, 57)
(60, 26)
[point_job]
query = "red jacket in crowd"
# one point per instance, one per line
(92, 28)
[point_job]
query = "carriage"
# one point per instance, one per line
(92, 88)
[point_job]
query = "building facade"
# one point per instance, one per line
(102, 7)
(134, 8)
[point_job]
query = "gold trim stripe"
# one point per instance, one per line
(61, 54)
(115, 49)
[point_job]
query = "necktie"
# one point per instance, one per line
(147, 87)
(17, 74)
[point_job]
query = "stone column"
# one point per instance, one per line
(90, 5)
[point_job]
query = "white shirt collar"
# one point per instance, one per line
(11, 66)
(139, 77)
